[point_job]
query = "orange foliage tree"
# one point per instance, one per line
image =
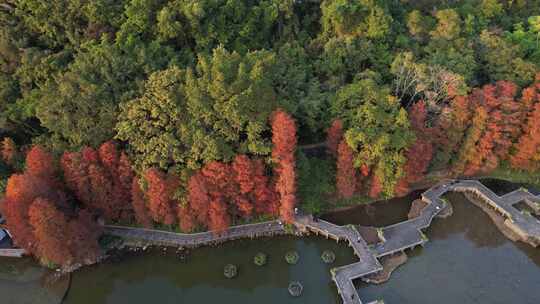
(84, 233)
(468, 148)
(34, 207)
(450, 128)
(101, 180)
(284, 146)
(375, 187)
(50, 230)
(40, 163)
(334, 134)
(21, 191)
(142, 215)
(346, 178)
(420, 153)
(527, 154)
(502, 126)
(159, 196)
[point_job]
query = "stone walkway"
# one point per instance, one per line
(165, 238)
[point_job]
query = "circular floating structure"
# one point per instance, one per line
(292, 257)
(295, 288)
(230, 271)
(260, 259)
(328, 256)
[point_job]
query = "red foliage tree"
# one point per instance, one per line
(418, 115)
(108, 155)
(218, 217)
(284, 146)
(100, 180)
(186, 218)
(418, 158)
(101, 191)
(84, 234)
(346, 178)
(334, 134)
(451, 127)
(198, 197)
(467, 152)
(376, 186)
(21, 191)
(76, 176)
(419, 155)
(159, 197)
(244, 173)
(142, 215)
(502, 126)
(40, 163)
(49, 228)
(264, 196)
(528, 146)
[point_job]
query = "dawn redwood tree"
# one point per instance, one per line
(418, 158)
(186, 218)
(21, 191)
(334, 134)
(419, 155)
(84, 233)
(198, 197)
(284, 146)
(527, 154)
(159, 197)
(40, 163)
(76, 177)
(101, 180)
(528, 144)
(142, 214)
(102, 191)
(108, 154)
(346, 179)
(265, 198)
(218, 216)
(501, 126)
(50, 229)
(473, 135)
(376, 186)
(243, 168)
(451, 127)
(417, 116)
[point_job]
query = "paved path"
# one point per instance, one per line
(158, 237)
(12, 252)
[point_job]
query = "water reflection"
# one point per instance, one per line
(159, 277)
(466, 261)
(23, 281)
(501, 187)
(378, 214)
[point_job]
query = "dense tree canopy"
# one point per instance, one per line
(210, 99)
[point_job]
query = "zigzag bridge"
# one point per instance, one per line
(395, 238)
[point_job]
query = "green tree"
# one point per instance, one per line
(377, 128)
(188, 118)
(504, 61)
(80, 106)
(298, 89)
(365, 18)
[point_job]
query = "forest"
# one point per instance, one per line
(197, 115)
